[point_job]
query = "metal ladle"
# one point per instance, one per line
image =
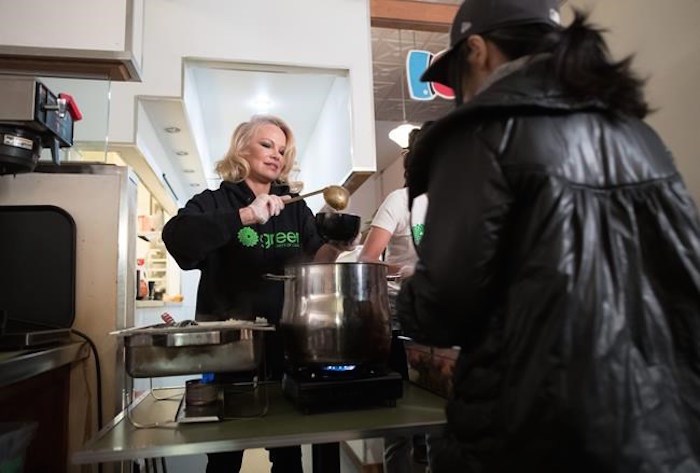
(335, 196)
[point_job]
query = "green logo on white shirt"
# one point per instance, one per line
(418, 230)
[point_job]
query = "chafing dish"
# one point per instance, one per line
(208, 347)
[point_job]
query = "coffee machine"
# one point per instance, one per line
(32, 118)
(37, 241)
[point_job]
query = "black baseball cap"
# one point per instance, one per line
(481, 16)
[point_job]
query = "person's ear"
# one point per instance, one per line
(478, 52)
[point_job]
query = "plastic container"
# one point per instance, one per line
(431, 368)
(15, 437)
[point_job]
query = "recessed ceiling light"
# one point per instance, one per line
(188, 171)
(262, 103)
(181, 153)
(194, 185)
(172, 129)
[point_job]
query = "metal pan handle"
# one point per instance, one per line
(193, 339)
(279, 277)
(176, 339)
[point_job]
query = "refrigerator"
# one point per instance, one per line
(101, 199)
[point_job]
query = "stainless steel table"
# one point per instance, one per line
(16, 366)
(417, 412)
(35, 387)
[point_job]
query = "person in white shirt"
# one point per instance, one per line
(394, 230)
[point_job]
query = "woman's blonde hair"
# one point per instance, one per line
(234, 167)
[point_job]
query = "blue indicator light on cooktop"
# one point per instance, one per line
(339, 367)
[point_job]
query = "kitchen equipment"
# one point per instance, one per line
(335, 313)
(37, 281)
(22, 339)
(431, 367)
(198, 393)
(336, 332)
(165, 350)
(101, 199)
(335, 196)
(338, 226)
(31, 118)
(321, 395)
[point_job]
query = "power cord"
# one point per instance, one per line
(98, 381)
(98, 374)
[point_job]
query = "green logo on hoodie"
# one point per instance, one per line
(248, 237)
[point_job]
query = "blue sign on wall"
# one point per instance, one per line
(417, 62)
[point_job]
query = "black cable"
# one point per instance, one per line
(98, 375)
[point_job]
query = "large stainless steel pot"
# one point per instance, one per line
(336, 313)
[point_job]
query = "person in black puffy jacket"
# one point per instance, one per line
(565, 262)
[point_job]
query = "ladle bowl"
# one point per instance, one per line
(337, 197)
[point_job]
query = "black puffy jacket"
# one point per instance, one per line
(562, 253)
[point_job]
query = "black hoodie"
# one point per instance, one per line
(207, 234)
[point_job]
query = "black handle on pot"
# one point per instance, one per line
(279, 277)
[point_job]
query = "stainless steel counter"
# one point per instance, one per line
(17, 366)
(418, 411)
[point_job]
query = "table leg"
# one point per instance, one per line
(325, 457)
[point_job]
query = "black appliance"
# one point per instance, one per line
(32, 118)
(37, 281)
(319, 388)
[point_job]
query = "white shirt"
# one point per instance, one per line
(394, 217)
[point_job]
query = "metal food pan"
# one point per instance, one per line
(193, 351)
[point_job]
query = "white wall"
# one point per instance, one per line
(392, 177)
(389, 176)
(308, 33)
(154, 153)
(387, 150)
(367, 198)
(327, 158)
(39, 23)
(664, 38)
(193, 113)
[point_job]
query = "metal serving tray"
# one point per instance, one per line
(209, 347)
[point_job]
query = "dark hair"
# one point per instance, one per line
(412, 137)
(580, 61)
(407, 152)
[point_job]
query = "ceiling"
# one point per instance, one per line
(226, 96)
(389, 50)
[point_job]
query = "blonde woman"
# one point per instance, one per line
(240, 231)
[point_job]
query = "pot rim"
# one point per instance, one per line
(334, 263)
